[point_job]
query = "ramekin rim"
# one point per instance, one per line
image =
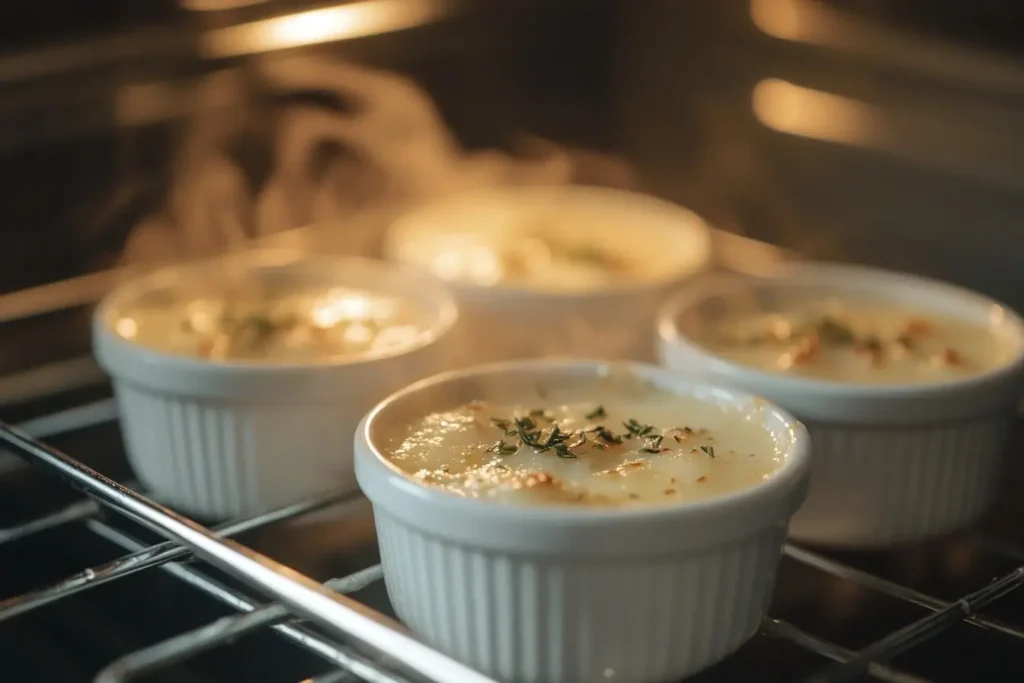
(778, 486)
(444, 316)
(697, 227)
(668, 332)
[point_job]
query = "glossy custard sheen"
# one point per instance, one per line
(617, 448)
(861, 343)
(548, 252)
(292, 326)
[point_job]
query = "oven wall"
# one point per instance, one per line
(930, 181)
(933, 185)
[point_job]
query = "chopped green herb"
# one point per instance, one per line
(597, 413)
(710, 450)
(834, 332)
(634, 428)
(526, 428)
(653, 444)
(562, 451)
(608, 437)
(502, 448)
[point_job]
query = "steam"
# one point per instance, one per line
(390, 151)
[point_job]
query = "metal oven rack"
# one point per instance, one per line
(358, 643)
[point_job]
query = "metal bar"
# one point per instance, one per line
(332, 677)
(905, 638)
(331, 652)
(75, 512)
(61, 422)
(777, 628)
(50, 379)
(340, 616)
(150, 557)
(892, 589)
(72, 419)
(223, 630)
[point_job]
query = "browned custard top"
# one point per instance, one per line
(862, 343)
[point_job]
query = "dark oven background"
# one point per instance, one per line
(931, 183)
(927, 177)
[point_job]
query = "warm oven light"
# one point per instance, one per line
(796, 110)
(351, 20)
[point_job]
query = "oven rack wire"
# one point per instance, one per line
(355, 642)
(341, 631)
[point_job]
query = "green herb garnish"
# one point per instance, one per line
(502, 448)
(710, 450)
(597, 413)
(653, 444)
(634, 428)
(834, 332)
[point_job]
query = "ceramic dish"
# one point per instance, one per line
(240, 380)
(567, 271)
(539, 590)
(898, 456)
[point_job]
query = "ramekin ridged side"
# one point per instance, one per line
(223, 440)
(556, 594)
(860, 493)
(537, 619)
(220, 460)
(892, 464)
(501, 322)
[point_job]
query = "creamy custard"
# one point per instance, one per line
(551, 250)
(292, 326)
(861, 343)
(637, 447)
(534, 259)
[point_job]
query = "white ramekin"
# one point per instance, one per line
(226, 439)
(570, 595)
(892, 464)
(505, 322)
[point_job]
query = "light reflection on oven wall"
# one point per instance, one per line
(806, 125)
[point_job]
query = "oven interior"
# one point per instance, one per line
(105, 116)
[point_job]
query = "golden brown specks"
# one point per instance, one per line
(542, 480)
(918, 327)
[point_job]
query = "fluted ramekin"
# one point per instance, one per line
(221, 439)
(531, 594)
(892, 463)
(505, 321)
